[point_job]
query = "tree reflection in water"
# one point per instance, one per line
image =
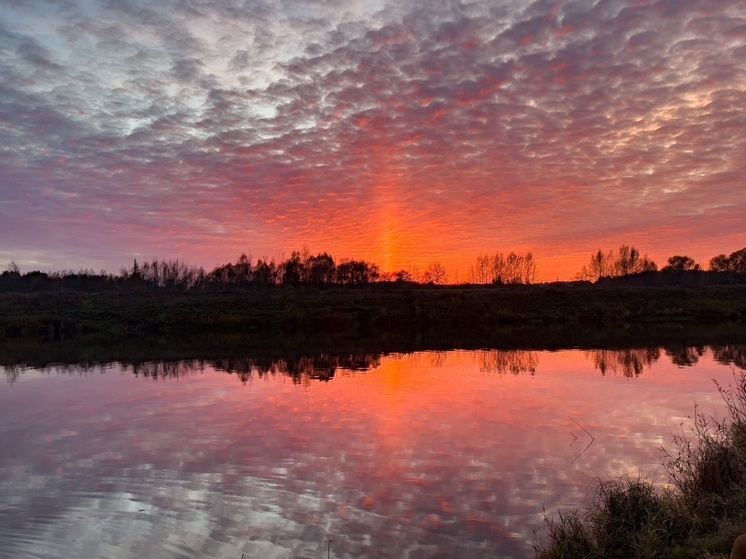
(508, 361)
(629, 362)
(685, 356)
(730, 355)
(324, 366)
(302, 370)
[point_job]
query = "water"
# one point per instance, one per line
(432, 454)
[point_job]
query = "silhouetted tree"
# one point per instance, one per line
(175, 275)
(626, 261)
(136, 270)
(151, 273)
(647, 265)
(10, 279)
(305, 256)
(37, 281)
(356, 272)
(681, 264)
(157, 274)
(84, 280)
(719, 263)
(601, 265)
(530, 269)
(266, 272)
(436, 274)
(403, 276)
(200, 278)
(735, 263)
(320, 269)
(512, 268)
(481, 271)
(221, 276)
(243, 270)
(292, 269)
(519, 268)
(400, 276)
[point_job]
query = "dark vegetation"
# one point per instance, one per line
(626, 263)
(301, 269)
(308, 296)
(379, 312)
(699, 515)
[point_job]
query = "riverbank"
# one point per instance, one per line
(373, 312)
(698, 517)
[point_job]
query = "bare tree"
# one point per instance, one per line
(512, 268)
(481, 271)
(602, 264)
(530, 269)
(626, 261)
(436, 273)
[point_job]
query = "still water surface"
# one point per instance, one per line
(400, 456)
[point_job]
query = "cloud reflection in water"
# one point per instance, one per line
(427, 454)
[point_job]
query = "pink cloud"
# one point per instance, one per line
(404, 137)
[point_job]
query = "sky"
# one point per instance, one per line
(402, 132)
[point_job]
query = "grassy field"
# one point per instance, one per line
(374, 312)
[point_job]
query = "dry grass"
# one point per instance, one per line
(634, 519)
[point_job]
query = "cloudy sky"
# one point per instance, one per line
(403, 132)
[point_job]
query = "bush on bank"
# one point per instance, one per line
(698, 516)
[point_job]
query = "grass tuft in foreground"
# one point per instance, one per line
(697, 517)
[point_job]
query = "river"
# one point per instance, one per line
(416, 455)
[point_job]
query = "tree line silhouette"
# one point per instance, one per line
(301, 268)
(502, 268)
(627, 260)
(628, 266)
(625, 266)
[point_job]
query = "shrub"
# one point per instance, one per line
(634, 519)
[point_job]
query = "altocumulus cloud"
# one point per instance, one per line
(397, 131)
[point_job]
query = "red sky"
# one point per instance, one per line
(402, 132)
